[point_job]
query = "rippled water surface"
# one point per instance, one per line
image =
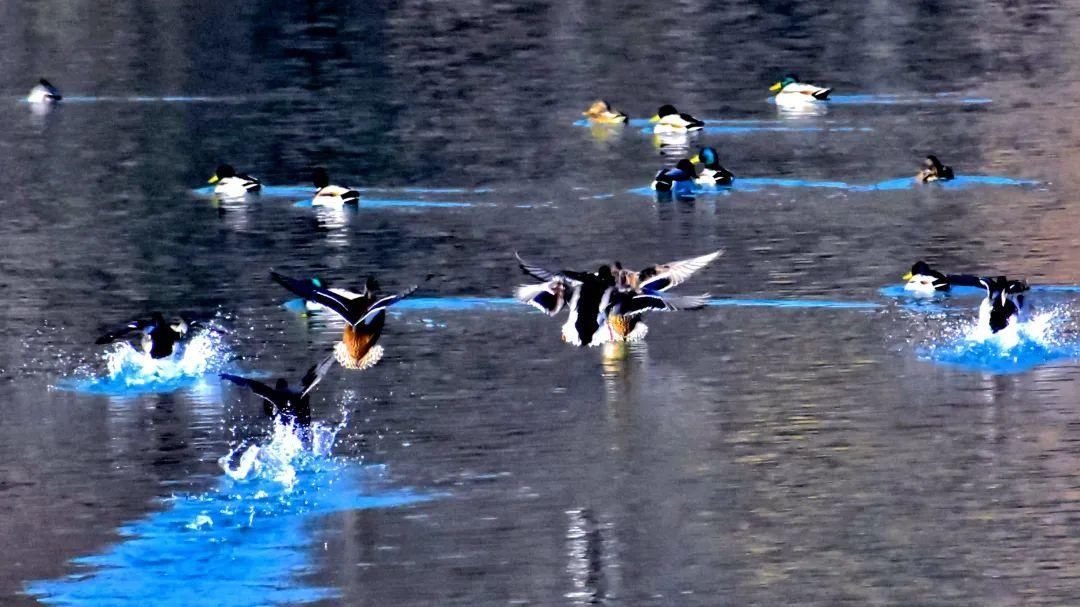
(813, 437)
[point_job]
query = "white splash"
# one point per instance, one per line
(203, 353)
(277, 459)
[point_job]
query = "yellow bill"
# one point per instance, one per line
(696, 158)
(776, 87)
(655, 118)
(213, 179)
(907, 276)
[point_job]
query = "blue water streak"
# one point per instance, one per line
(241, 544)
(374, 203)
(756, 184)
(989, 357)
(901, 99)
(300, 191)
(794, 303)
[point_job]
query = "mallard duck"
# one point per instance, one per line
(601, 112)
(934, 171)
(593, 298)
(44, 92)
(635, 288)
(283, 402)
(790, 91)
(924, 280)
(1004, 302)
(712, 174)
(331, 195)
(678, 181)
(668, 121)
(158, 338)
(364, 317)
(231, 184)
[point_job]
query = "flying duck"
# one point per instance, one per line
(283, 402)
(331, 195)
(232, 184)
(934, 171)
(364, 317)
(601, 112)
(668, 120)
(1004, 302)
(158, 338)
(712, 174)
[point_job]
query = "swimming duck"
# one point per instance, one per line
(331, 195)
(678, 181)
(44, 92)
(668, 120)
(1004, 302)
(159, 337)
(790, 91)
(364, 317)
(934, 171)
(601, 112)
(924, 280)
(233, 184)
(283, 402)
(592, 297)
(712, 174)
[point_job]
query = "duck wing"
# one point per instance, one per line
(315, 374)
(662, 277)
(660, 302)
(335, 301)
(548, 297)
(369, 313)
(264, 391)
(119, 332)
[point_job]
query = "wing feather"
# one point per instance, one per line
(662, 277)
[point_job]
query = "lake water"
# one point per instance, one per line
(807, 440)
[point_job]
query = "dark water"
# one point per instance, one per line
(765, 455)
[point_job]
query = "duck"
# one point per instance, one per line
(44, 92)
(282, 402)
(231, 184)
(331, 195)
(934, 171)
(159, 337)
(712, 174)
(636, 290)
(364, 314)
(601, 112)
(593, 297)
(790, 91)
(679, 180)
(668, 120)
(922, 279)
(1004, 302)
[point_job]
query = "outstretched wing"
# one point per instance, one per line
(661, 302)
(664, 276)
(121, 331)
(304, 288)
(381, 305)
(549, 297)
(316, 373)
(266, 392)
(545, 275)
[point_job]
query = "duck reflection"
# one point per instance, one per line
(592, 563)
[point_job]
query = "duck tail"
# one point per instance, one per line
(822, 94)
(351, 197)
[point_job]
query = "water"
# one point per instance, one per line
(806, 439)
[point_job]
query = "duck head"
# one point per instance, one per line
(933, 163)
(371, 286)
(223, 171)
(788, 79)
(281, 384)
(598, 108)
(708, 157)
(919, 268)
(320, 178)
(686, 166)
(604, 274)
(665, 110)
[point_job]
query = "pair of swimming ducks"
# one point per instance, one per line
(668, 120)
(231, 184)
(684, 176)
(1004, 302)
(607, 305)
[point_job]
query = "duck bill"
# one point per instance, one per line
(655, 118)
(696, 158)
(776, 87)
(213, 179)
(907, 276)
